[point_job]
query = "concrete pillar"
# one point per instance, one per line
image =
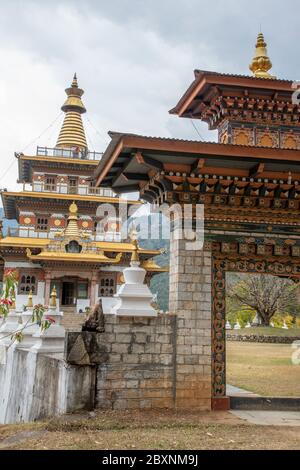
(93, 290)
(190, 300)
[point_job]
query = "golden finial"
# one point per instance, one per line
(53, 298)
(30, 299)
(135, 256)
(73, 210)
(74, 82)
(133, 234)
(261, 63)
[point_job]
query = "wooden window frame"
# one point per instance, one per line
(30, 283)
(107, 291)
(45, 225)
(50, 187)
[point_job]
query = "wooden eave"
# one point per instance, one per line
(205, 80)
(9, 200)
(26, 163)
(164, 154)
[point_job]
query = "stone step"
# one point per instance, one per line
(265, 403)
(72, 321)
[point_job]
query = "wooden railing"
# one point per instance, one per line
(60, 188)
(68, 153)
(31, 232)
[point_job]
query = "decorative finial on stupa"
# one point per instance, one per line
(30, 299)
(73, 211)
(72, 133)
(261, 63)
(53, 298)
(72, 229)
(74, 82)
(135, 256)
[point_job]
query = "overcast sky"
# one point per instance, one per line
(134, 59)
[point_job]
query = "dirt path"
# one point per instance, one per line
(148, 430)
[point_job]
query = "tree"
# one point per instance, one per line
(267, 295)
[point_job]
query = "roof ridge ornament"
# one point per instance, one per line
(261, 63)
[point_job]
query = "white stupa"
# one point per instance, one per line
(52, 340)
(28, 328)
(10, 326)
(237, 326)
(134, 297)
(228, 326)
(248, 325)
(285, 327)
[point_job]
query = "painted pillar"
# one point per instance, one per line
(190, 300)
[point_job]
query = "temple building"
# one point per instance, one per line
(62, 239)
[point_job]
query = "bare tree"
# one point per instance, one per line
(267, 295)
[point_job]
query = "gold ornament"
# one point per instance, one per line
(261, 63)
(30, 300)
(53, 298)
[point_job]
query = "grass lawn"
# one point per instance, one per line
(267, 331)
(163, 430)
(265, 369)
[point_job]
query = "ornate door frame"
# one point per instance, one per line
(278, 266)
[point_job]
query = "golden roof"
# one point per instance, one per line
(85, 257)
(115, 247)
(261, 63)
(72, 132)
(152, 266)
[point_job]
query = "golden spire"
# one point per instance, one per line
(30, 301)
(135, 256)
(72, 229)
(72, 132)
(261, 63)
(53, 298)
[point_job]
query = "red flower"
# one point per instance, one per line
(50, 320)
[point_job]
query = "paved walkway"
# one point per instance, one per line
(232, 391)
(269, 418)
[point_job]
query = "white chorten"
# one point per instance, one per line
(134, 297)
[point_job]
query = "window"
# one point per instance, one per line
(107, 285)
(82, 290)
(92, 188)
(73, 247)
(50, 183)
(73, 182)
(42, 223)
(27, 283)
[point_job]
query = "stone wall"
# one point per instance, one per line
(136, 360)
(263, 339)
(139, 365)
(190, 298)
